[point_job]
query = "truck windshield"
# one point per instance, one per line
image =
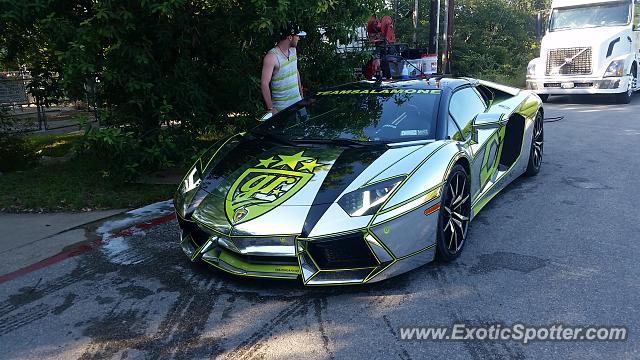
(595, 15)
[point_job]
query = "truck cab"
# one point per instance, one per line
(590, 47)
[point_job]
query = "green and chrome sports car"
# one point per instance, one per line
(361, 182)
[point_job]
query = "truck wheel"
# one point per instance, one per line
(625, 97)
(544, 97)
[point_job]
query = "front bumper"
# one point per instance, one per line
(378, 252)
(578, 85)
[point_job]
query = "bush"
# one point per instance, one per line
(124, 156)
(15, 153)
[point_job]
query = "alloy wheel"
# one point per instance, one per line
(456, 215)
(538, 142)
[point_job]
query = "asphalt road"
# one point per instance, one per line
(562, 247)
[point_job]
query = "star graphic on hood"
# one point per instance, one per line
(310, 166)
(292, 160)
(267, 162)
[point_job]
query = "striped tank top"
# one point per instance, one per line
(284, 81)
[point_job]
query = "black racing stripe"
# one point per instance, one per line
(347, 167)
(611, 46)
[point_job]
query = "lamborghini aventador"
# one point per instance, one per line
(361, 182)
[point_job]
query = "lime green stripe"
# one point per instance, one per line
(286, 98)
(292, 59)
(285, 87)
(284, 76)
(264, 268)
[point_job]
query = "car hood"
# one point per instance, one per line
(258, 186)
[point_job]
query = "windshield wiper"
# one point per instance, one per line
(339, 142)
(273, 137)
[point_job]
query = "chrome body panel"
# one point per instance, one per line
(403, 265)
(376, 171)
(433, 164)
(409, 233)
(336, 221)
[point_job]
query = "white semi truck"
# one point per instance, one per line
(590, 47)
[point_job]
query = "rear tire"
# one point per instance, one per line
(537, 147)
(455, 214)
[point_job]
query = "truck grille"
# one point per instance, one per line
(569, 61)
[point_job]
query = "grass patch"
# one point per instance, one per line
(52, 145)
(73, 186)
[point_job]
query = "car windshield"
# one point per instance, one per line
(363, 115)
(597, 15)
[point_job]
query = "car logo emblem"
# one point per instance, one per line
(239, 215)
(267, 185)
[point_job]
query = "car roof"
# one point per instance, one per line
(432, 83)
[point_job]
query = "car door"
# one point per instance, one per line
(486, 146)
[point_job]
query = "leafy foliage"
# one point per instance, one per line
(194, 65)
(194, 61)
(495, 39)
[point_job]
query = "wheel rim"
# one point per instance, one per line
(538, 142)
(456, 213)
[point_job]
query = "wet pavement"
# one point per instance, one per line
(561, 247)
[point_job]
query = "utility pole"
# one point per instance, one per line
(448, 26)
(434, 28)
(445, 38)
(415, 23)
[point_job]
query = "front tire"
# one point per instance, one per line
(625, 97)
(455, 214)
(537, 147)
(544, 97)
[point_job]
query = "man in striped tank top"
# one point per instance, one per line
(280, 82)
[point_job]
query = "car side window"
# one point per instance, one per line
(465, 105)
(636, 20)
(453, 131)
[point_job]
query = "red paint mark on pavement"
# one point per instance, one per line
(85, 247)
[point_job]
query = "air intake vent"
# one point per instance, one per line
(348, 252)
(198, 235)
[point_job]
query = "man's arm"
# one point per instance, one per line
(268, 65)
(300, 85)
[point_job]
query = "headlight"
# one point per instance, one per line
(531, 69)
(368, 200)
(615, 69)
(192, 181)
(188, 188)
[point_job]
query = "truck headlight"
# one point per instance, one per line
(531, 69)
(368, 200)
(615, 69)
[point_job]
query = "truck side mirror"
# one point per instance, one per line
(539, 26)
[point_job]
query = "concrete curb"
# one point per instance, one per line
(139, 224)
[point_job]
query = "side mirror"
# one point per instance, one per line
(266, 117)
(539, 26)
(487, 121)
